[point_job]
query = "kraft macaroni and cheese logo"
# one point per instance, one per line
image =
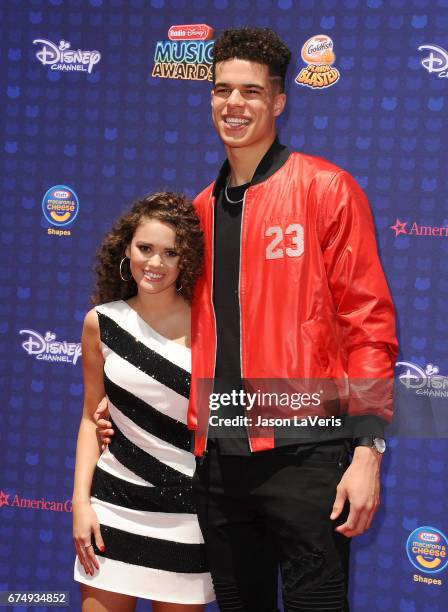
(62, 57)
(422, 381)
(187, 54)
(417, 229)
(60, 206)
(47, 348)
(19, 501)
(436, 61)
(427, 549)
(319, 56)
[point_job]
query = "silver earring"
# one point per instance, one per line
(179, 289)
(126, 280)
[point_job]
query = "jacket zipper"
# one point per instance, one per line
(239, 302)
(205, 451)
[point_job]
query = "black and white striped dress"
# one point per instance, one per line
(141, 489)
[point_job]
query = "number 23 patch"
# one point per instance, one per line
(284, 240)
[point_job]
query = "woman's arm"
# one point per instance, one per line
(85, 521)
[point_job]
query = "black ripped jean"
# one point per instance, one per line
(272, 510)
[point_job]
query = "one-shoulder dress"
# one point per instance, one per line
(141, 489)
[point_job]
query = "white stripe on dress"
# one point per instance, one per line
(183, 528)
(147, 583)
(180, 460)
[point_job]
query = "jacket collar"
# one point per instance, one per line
(273, 160)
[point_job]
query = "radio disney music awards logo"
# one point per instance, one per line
(422, 381)
(417, 229)
(427, 550)
(319, 56)
(436, 61)
(61, 57)
(47, 348)
(60, 206)
(18, 501)
(187, 54)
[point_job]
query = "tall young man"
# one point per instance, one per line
(292, 289)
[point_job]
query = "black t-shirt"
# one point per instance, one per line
(226, 281)
(232, 440)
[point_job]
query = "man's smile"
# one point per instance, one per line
(236, 123)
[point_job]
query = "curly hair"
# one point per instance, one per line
(261, 45)
(167, 207)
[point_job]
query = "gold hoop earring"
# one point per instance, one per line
(126, 280)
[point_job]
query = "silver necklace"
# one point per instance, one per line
(227, 195)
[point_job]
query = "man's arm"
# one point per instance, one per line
(366, 321)
(363, 305)
(104, 429)
(360, 485)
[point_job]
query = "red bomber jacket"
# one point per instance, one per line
(314, 302)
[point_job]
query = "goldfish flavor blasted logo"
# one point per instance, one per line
(319, 56)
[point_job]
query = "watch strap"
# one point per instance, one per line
(363, 441)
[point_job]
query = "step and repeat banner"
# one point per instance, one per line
(107, 100)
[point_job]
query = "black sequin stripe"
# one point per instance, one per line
(152, 552)
(109, 488)
(142, 357)
(147, 417)
(143, 464)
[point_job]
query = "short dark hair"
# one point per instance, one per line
(261, 45)
(167, 207)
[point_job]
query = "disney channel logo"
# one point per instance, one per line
(61, 57)
(436, 61)
(423, 381)
(47, 348)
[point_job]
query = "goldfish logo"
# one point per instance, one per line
(60, 205)
(427, 549)
(319, 56)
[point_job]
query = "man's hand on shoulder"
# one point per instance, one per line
(104, 429)
(360, 485)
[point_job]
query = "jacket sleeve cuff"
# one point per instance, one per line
(369, 425)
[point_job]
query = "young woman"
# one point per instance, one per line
(134, 523)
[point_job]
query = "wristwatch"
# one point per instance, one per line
(378, 444)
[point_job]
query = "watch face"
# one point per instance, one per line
(379, 444)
